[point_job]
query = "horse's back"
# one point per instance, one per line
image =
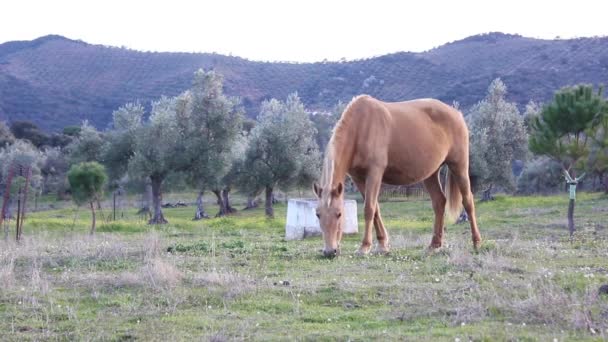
(412, 138)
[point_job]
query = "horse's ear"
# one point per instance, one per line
(338, 190)
(317, 189)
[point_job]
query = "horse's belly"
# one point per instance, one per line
(398, 176)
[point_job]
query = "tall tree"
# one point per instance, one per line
(54, 171)
(282, 149)
(561, 132)
(86, 183)
(210, 122)
(87, 146)
(157, 149)
(497, 138)
(119, 149)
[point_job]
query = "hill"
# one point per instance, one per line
(55, 81)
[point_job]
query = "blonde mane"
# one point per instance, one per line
(337, 137)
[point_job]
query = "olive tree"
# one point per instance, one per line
(210, 122)
(156, 150)
(281, 150)
(53, 171)
(497, 139)
(86, 184)
(19, 156)
(119, 146)
(87, 145)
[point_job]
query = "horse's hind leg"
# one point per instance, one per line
(460, 175)
(433, 186)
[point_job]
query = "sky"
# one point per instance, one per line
(296, 31)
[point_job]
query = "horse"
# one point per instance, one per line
(397, 143)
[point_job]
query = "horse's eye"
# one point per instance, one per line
(318, 215)
(338, 215)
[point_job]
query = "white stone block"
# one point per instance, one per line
(302, 220)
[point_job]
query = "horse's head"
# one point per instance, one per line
(330, 213)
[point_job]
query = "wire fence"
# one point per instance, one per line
(396, 193)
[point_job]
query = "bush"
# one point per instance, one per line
(540, 176)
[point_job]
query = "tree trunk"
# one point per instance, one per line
(251, 203)
(93, 215)
(463, 217)
(226, 198)
(571, 227)
(269, 198)
(220, 202)
(8, 213)
(146, 201)
(200, 210)
(487, 194)
(157, 198)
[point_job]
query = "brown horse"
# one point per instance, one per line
(395, 143)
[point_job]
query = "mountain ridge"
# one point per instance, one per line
(55, 81)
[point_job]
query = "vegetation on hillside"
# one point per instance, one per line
(95, 79)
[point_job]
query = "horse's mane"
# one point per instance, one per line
(335, 142)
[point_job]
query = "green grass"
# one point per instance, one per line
(237, 278)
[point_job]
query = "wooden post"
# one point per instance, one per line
(572, 183)
(114, 206)
(27, 184)
(7, 195)
(18, 221)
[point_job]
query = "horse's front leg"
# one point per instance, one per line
(372, 189)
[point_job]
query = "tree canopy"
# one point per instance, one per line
(497, 138)
(560, 130)
(282, 150)
(210, 122)
(87, 181)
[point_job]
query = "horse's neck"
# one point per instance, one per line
(341, 163)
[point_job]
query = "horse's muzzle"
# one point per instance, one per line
(332, 253)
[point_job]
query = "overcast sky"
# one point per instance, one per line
(303, 30)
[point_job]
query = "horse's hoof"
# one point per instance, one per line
(381, 250)
(433, 249)
(476, 245)
(435, 246)
(363, 251)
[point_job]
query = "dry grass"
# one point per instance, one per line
(236, 279)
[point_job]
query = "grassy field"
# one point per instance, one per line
(237, 279)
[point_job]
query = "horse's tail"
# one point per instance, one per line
(454, 197)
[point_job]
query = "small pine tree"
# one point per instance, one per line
(561, 129)
(86, 183)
